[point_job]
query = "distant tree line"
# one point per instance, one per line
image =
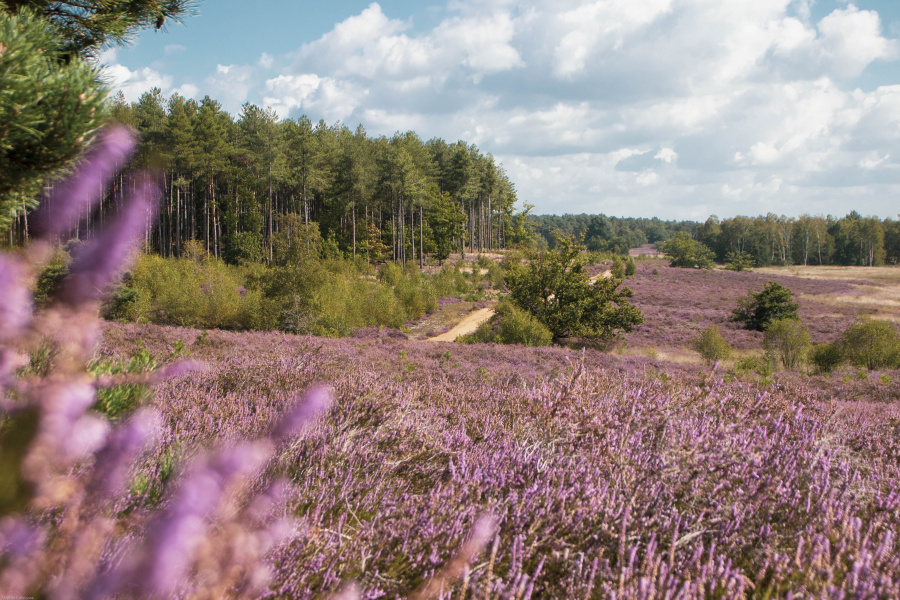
(760, 241)
(805, 240)
(608, 234)
(257, 189)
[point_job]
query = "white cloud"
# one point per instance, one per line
(333, 99)
(132, 83)
(231, 85)
(675, 108)
(851, 39)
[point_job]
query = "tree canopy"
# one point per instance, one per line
(687, 252)
(53, 101)
(557, 290)
(87, 26)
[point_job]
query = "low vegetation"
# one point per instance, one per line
(511, 325)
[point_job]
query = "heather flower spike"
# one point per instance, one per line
(481, 534)
(71, 198)
(98, 264)
(15, 310)
(316, 401)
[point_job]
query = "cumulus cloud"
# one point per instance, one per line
(675, 108)
(132, 83)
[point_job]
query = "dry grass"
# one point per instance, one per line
(878, 288)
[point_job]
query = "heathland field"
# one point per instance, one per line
(619, 474)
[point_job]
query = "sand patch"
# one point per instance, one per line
(468, 325)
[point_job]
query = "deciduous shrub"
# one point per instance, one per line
(787, 340)
(711, 345)
(511, 325)
(684, 251)
(826, 357)
(758, 309)
(871, 344)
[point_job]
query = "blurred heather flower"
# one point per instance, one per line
(316, 401)
(98, 263)
(15, 309)
(114, 459)
(68, 200)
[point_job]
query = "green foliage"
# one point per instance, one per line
(773, 303)
(630, 267)
(787, 340)
(686, 252)
(87, 26)
(761, 364)
(121, 400)
(711, 345)
(738, 261)
(199, 293)
(510, 325)
(618, 268)
(322, 297)
(826, 357)
(451, 282)
(446, 220)
(49, 109)
(871, 344)
(50, 278)
(555, 289)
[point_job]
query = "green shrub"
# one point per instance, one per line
(711, 345)
(618, 268)
(511, 325)
(686, 252)
(826, 357)
(773, 303)
(738, 261)
(871, 344)
(630, 267)
(50, 278)
(450, 282)
(787, 340)
(760, 364)
(555, 288)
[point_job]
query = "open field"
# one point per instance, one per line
(625, 477)
(876, 290)
(678, 303)
(607, 475)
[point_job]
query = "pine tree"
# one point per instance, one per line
(48, 110)
(86, 26)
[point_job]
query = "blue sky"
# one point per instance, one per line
(670, 108)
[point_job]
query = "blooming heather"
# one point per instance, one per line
(422, 470)
(68, 200)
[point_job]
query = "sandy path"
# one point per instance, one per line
(468, 325)
(471, 322)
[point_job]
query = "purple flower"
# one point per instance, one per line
(61, 209)
(316, 401)
(98, 264)
(15, 309)
(114, 460)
